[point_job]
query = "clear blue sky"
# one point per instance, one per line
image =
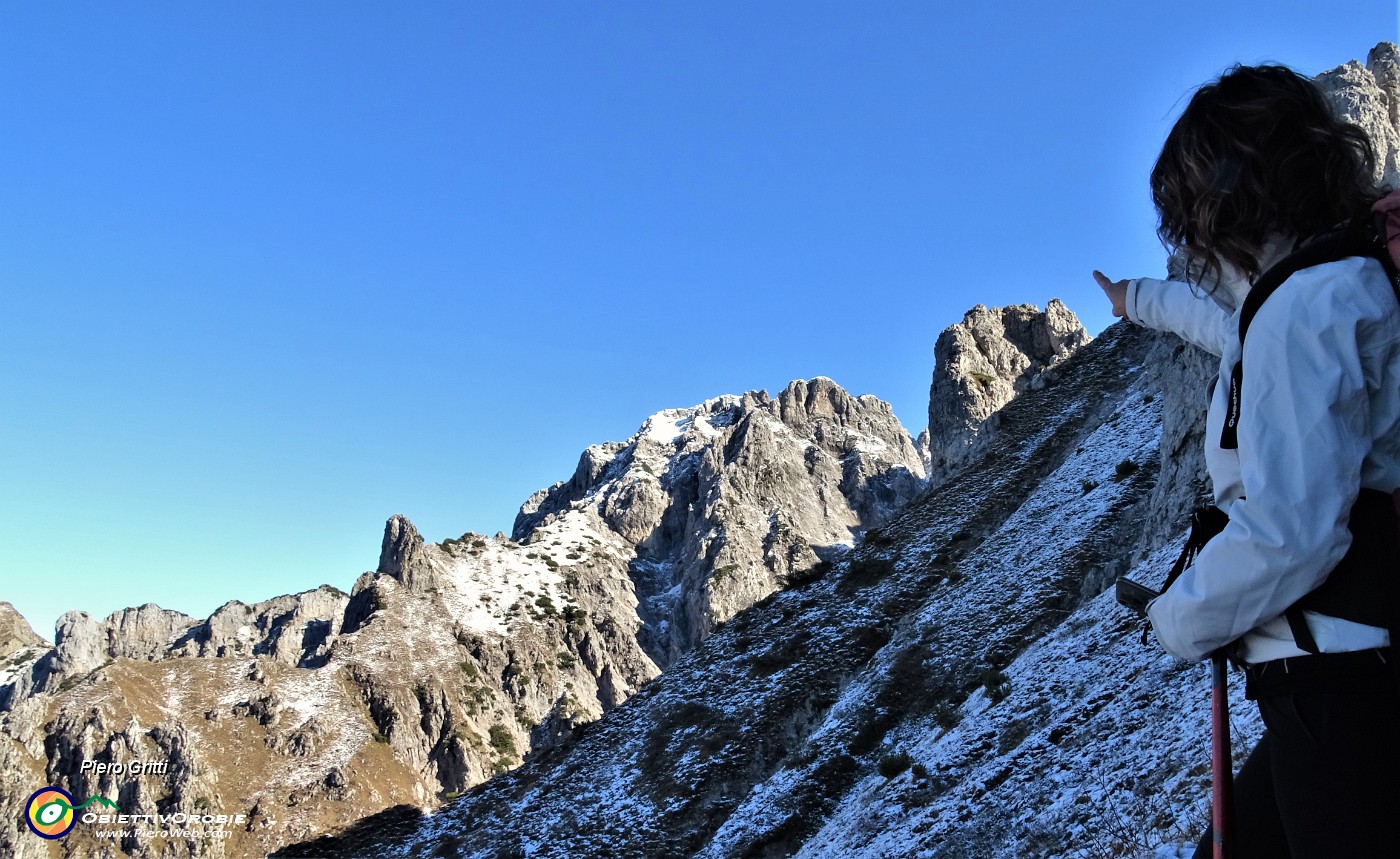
(272, 272)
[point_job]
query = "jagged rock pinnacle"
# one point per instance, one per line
(726, 501)
(982, 363)
(401, 554)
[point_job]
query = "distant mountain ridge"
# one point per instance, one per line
(451, 661)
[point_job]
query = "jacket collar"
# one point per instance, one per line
(1233, 286)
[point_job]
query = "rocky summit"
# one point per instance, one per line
(981, 364)
(726, 502)
(762, 626)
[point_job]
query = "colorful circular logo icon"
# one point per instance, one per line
(49, 812)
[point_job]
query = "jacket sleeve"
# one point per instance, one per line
(1170, 305)
(1303, 436)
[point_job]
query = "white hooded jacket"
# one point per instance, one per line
(1319, 419)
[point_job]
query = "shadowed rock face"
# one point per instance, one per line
(981, 364)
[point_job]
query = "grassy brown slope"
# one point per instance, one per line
(233, 764)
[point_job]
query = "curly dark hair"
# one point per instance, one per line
(1258, 151)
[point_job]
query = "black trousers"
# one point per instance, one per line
(1324, 780)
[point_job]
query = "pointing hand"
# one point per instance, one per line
(1117, 292)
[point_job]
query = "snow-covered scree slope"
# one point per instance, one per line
(1088, 744)
(967, 633)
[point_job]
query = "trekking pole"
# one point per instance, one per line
(1222, 781)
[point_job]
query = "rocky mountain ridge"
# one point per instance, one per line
(453, 661)
(16, 635)
(921, 627)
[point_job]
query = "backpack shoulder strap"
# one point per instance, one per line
(1350, 242)
(1332, 247)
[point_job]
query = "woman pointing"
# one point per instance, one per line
(1302, 446)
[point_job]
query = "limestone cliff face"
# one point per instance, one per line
(144, 632)
(1369, 96)
(725, 502)
(981, 364)
(401, 554)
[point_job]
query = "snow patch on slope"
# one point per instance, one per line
(20, 664)
(484, 578)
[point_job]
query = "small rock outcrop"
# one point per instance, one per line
(981, 364)
(15, 632)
